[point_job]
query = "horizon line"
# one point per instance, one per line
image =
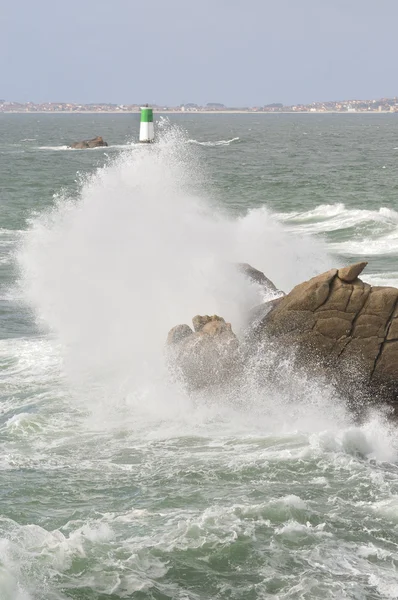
(384, 99)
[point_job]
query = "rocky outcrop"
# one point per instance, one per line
(94, 143)
(333, 325)
(337, 320)
(207, 356)
(258, 277)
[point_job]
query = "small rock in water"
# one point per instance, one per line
(96, 142)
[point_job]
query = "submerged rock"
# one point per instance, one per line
(208, 356)
(94, 143)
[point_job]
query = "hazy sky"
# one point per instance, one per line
(238, 52)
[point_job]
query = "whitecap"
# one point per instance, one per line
(213, 144)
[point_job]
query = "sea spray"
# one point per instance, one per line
(140, 249)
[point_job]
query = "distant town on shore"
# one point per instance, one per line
(341, 106)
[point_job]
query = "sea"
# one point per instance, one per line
(115, 482)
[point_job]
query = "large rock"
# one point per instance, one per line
(208, 356)
(94, 143)
(338, 321)
(333, 325)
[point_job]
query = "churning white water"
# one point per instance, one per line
(140, 249)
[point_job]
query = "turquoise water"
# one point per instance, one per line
(114, 482)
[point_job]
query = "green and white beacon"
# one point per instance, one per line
(147, 133)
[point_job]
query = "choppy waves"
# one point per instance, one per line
(351, 232)
(333, 217)
(207, 503)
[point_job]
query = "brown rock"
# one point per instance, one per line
(364, 351)
(386, 367)
(382, 301)
(350, 274)
(359, 296)
(393, 331)
(207, 357)
(200, 321)
(94, 143)
(368, 325)
(333, 327)
(216, 326)
(340, 295)
(342, 322)
(257, 277)
(309, 295)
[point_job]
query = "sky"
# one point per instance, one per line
(170, 52)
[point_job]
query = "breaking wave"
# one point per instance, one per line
(331, 217)
(361, 232)
(139, 250)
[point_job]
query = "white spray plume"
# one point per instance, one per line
(138, 251)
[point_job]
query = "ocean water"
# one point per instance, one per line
(114, 483)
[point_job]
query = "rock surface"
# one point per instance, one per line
(343, 323)
(94, 143)
(208, 356)
(350, 274)
(257, 277)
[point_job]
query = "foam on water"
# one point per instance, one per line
(386, 245)
(375, 232)
(389, 279)
(331, 217)
(211, 144)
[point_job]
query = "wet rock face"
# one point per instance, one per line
(207, 356)
(257, 277)
(94, 143)
(340, 320)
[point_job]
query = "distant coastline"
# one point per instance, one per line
(382, 105)
(201, 112)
